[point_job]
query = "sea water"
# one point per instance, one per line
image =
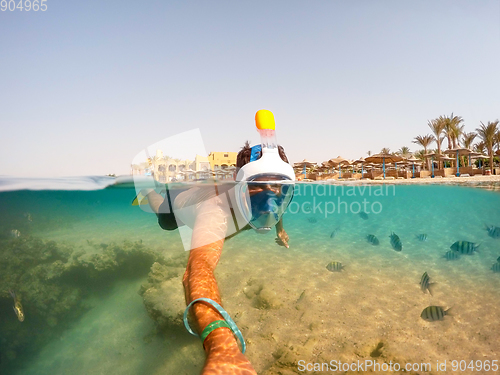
(293, 312)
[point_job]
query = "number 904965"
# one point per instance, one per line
(23, 5)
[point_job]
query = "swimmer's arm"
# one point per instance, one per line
(281, 234)
(154, 199)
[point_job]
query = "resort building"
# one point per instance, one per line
(167, 169)
(222, 160)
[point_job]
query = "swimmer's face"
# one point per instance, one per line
(257, 188)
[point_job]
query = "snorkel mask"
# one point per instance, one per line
(265, 185)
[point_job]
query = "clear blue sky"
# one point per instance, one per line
(87, 85)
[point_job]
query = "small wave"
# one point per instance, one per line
(9, 183)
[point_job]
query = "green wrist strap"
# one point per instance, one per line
(213, 326)
(228, 321)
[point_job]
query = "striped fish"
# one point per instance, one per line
(334, 267)
(396, 242)
(451, 255)
(421, 237)
(464, 247)
(363, 215)
(493, 231)
(433, 313)
(496, 267)
(424, 283)
(372, 239)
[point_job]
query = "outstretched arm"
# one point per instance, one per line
(223, 354)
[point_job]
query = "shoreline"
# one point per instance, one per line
(451, 180)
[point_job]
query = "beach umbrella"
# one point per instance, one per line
(413, 159)
(477, 155)
(362, 161)
(338, 161)
(458, 151)
(383, 158)
(304, 164)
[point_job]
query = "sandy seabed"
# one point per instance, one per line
(290, 308)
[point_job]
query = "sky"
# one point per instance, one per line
(85, 86)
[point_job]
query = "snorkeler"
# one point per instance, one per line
(263, 189)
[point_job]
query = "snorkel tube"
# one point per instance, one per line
(270, 163)
(265, 185)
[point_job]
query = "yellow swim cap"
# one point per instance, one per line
(264, 119)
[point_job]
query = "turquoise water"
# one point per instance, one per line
(81, 259)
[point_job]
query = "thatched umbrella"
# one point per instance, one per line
(304, 164)
(382, 158)
(413, 159)
(362, 161)
(477, 155)
(458, 151)
(338, 161)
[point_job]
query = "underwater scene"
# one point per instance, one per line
(381, 274)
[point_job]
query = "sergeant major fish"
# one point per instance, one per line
(496, 267)
(372, 239)
(421, 237)
(493, 232)
(363, 215)
(464, 247)
(433, 313)
(334, 267)
(451, 255)
(396, 242)
(425, 284)
(18, 308)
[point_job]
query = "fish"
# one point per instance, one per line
(493, 232)
(312, 220)
(396, 242)
(424, 283)
(363, 215)
(496, 267)
(464, 247)
(27, 215)
(18, 308)
(498, 259)
(15, 233)
(433, 313)
(421, 237)
(334, 233)
(371, 238)
(334, 267)
(451, 255)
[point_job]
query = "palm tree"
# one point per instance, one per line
(369, 153)
(424, 141)
(404, 152)
(467, 139)
(420, 154)
(479, 147)
(385, 150)
(497, 140)
(487, 133)
(437, 126)
(452, 129)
